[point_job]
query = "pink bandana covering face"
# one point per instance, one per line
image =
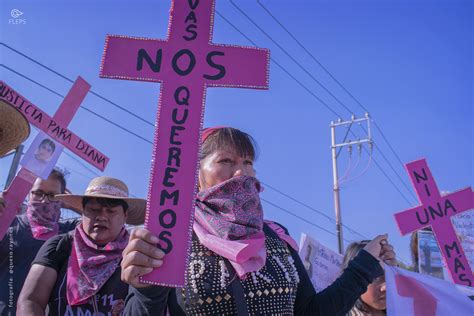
(229, 221)
(43, 218)
(90, 266)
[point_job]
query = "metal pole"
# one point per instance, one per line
(337, 204)
(14, 166)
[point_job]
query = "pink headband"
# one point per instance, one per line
(208, 132)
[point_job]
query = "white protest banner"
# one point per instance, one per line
(413, 294)
(464, 225)
(322, 264)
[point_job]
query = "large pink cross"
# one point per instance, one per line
(436, 211)
(56, 127)
(185, 64)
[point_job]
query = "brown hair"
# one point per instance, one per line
(48, 142)
(230, 138)
(351, 251)
(56, 174)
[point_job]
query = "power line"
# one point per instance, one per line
(142, 138)
(82, 107)
(311, 208)
(71, 156)
(390, 146)
(58, 94)
(100, 116)
(396, 173)
(327, 90)
(310, 92)
(393, 184)
(299, 217)
(383, 172)
(281, 67)
(334, 78)
(70, 170)
(82, 164)
(318, 82)
(72, 81)
(393, 168)
(266, 201)
(291, 57)
(345, 137)
(286, 30)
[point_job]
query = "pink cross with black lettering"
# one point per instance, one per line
(185, 64)
(56, 128)
(436, 211)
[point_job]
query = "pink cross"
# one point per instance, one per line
(55, 127)
(185, 64)
(436, 211)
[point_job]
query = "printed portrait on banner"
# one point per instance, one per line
(42, 155)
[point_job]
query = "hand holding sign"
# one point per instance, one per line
(140, 257)
(186, 64)
(381, 249)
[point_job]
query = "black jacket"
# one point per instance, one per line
(337, 299)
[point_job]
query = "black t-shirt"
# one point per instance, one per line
(110, 299)
(17, 250)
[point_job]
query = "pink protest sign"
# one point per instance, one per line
(55, 127)
(185, 63)
(23, 181)
(436, 211)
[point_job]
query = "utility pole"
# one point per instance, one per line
(14, 165)
(334, 147)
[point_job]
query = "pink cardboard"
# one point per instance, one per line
(186, 64)
(55, 127)
(14, 196)
(436, 211)
(24, 180)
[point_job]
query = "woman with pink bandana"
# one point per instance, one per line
(240, 264)
(79, 273)
(26, 235)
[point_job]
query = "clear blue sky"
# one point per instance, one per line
(409, 62)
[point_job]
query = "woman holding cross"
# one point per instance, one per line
(241, 264)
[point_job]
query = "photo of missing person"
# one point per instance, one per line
(45, 150)
(42, 155)
(430, 259)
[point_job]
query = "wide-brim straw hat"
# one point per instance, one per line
(109, 188)
(14, 128)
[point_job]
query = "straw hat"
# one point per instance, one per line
(14, 128)
(109, 188)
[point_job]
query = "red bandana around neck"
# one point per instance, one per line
(43, 218)
(90, 266)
